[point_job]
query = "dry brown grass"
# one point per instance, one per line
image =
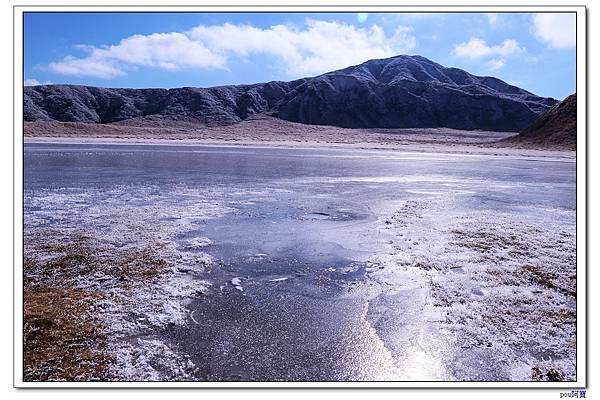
(547, 374)
(138, 265)
(63, 341)
(63, 259)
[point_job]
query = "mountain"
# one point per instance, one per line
(406, 92)
(555, 128)
(398, 92)
(211, 106)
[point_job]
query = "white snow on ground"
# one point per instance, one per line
(134, 229)
(237, 283)
(499, 298)
(199, 242)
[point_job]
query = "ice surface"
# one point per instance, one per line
(421, 267)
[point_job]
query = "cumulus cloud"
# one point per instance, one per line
(89, 66)
(171, 51)
(557, 30)
(322, 46)
(477, 48)
(495, 55)
(319, 47)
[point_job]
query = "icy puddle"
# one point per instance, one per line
(315, 265)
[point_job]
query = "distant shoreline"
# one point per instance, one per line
(409, 148)
(266, 131)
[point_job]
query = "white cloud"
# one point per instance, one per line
(319, 47)
(495, 56)
(477, 48)
(555, 29)
(171, 51)
(34, 82)
(495, 64)
(89, 66)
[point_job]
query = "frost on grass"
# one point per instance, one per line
(103, 276)
(526, 273)
(504, 281)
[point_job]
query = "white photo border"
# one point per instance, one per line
(581, 189)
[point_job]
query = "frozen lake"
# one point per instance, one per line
(332, 264)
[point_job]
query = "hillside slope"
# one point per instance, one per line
(556, 128)
(397, 92)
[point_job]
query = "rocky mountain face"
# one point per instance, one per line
(555, 128)
(397, 92)
(211, 106)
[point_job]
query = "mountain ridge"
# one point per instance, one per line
(397, 92)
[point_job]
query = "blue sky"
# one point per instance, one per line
(533, 51)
